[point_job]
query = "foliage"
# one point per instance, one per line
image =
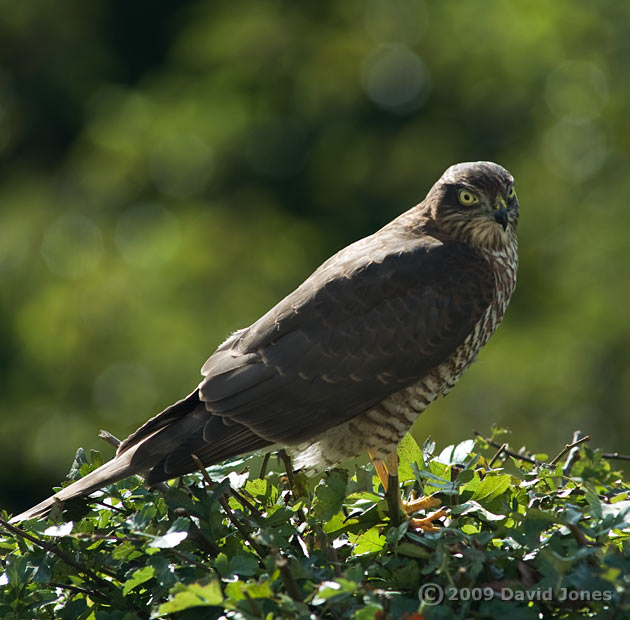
(521, 537)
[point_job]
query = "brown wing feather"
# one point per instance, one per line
(369, 322)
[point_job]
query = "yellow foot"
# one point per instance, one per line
(421, 503)
(426, 524)
(388, 474)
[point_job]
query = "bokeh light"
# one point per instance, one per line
(72, 246)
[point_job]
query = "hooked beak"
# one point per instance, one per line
(500, 213)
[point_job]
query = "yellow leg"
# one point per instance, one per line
(381, 470)
(387, 472)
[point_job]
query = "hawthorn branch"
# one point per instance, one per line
(568, 447)
(498, 453)
(109, 438)
(54, 549)
(516, 455)
(616, 455)
(242, 530)
(287, 577)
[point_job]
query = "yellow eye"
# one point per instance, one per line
(511, 193)
(466, 197)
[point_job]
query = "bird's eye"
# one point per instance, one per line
(466, 197)
(511, 193)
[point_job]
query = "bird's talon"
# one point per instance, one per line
(426, 524)
(421, 503)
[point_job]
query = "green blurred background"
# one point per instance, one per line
(170, 170)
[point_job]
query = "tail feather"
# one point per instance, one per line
(112, 471)
(137, 454)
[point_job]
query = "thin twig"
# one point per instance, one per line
(392, 494)
(243, 531)
(197, 535)
(187, 558)
(252, 603)
(108, 506)
(616, 455)
(78, 590)
(234, 492)
(498, 453)
(109, 438)
(573, 456)
(329, 552)
(228, 511)
(202, 469)
(581, 541)
(263, 467)
(243, 500)
(294, 491)
(520, 457)
(286, 459)
(54, 549)
(568, 447)
(287, 577)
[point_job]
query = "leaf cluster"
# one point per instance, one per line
(521, 537)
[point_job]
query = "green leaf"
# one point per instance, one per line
(329, 496)
(489, 488)
(177, 532)
(367, 542)
(472, 507)
(140, 576)
(333, 589)
(244, 565)
(169, 540)
(456, 454)
(413, 551)
(239, 590)
(193, 595)
(409, 452)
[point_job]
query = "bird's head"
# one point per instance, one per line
(476, 203)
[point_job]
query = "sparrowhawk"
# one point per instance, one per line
(347, 361)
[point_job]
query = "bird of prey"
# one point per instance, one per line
(348, 361)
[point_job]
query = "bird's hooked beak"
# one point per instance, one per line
(500, 212)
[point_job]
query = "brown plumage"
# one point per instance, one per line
(347, 362)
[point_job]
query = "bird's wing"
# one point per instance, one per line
(373, 319)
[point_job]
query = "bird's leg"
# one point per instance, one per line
(388, 475)
(387, 472)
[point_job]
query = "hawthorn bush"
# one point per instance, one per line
(524, 536)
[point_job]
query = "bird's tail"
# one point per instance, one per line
(118, 468)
